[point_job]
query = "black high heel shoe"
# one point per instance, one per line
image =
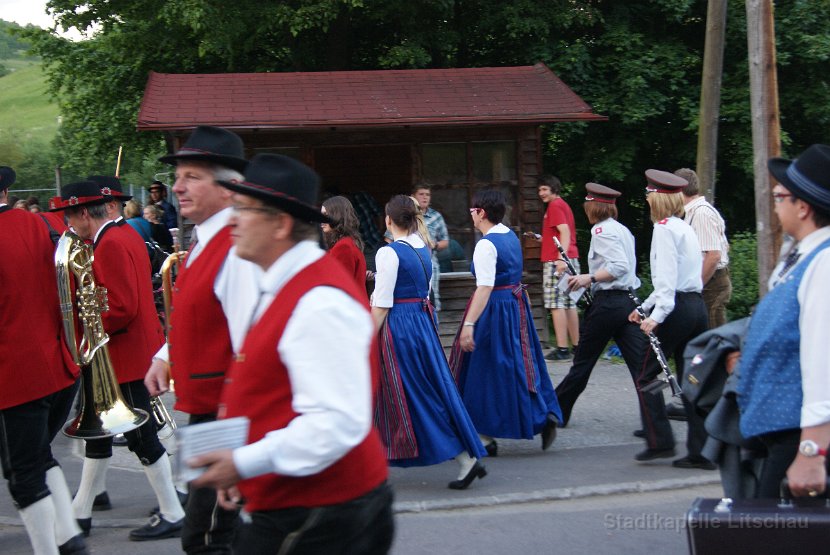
(477, 471)
(492, 449)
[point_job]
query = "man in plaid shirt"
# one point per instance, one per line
(438, 234)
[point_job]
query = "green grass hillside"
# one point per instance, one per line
(24, 103)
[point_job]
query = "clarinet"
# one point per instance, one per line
(671, 381)
(589, 298)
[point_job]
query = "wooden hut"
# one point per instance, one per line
(373, 134)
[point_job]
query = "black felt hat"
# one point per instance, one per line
(807, 177)
(7, 177)
(82, 193)
(283, 182)
(110, 186)
(211, 144)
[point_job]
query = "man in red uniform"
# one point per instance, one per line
(558, 222)
(313, 473)
(33, 408)
(214, 288)
(135, 335)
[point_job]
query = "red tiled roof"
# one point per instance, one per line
(493, 95)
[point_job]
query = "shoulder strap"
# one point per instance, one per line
(53, 234)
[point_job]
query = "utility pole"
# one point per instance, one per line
(766, 130)
(710, 87)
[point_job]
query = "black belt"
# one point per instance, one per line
(687, 294)
(604, 292)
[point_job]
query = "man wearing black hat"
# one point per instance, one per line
(314, 472)
(612, 265)
(784, 384)
(158, 196)
(134, 335)
(215, 291)
(33, 409)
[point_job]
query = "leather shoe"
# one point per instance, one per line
(157, 529)
(689, 462)
(182, 499)
(75, 546)
(548, 433)
(651, 454)
(477, 471)
(102, 502)
(85, 525)
(492, 449)
(676, 412)
(639, 433)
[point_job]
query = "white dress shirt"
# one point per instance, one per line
(612, 249)
(676, 266)
(709, 227)
(325, 347)
(235, 286)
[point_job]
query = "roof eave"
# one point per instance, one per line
(461, 121)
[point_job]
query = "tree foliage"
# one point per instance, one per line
(638, 62)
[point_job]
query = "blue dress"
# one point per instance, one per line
(435, 413)
(504, 382)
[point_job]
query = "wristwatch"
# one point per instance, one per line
(593, 278)
(810, 448)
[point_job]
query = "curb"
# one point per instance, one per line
(481, 502)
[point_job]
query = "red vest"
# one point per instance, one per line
(122, 266)
(198, 336)
(259, 387)
(34, 361)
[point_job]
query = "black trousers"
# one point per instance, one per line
(688, 320)
(363, 526)
(782, 447)
(143, 441)
(208, 528)
(605, 319)
(26, 434)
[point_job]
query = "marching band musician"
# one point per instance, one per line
(214, 290)
(677, 310)
(33, 410)
(135, 334)
(313, 475)
(612, 264)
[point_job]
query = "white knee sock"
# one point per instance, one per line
(39, 518)
(465, 462)
(102, 487)
(92, 476)
(161, 479)
(66, 527)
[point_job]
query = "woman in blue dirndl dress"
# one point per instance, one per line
(496, 358)
(418, 411)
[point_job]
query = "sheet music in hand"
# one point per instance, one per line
(204, 438)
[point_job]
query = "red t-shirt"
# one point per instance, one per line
(557, 213)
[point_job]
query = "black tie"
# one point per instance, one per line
(792, 258)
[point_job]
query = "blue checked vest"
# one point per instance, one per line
(769, 387)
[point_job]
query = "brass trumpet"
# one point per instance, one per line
(162, 417)
(103, 411)
(168, 268)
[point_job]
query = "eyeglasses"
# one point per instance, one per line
(779, 197)
(263, 209)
